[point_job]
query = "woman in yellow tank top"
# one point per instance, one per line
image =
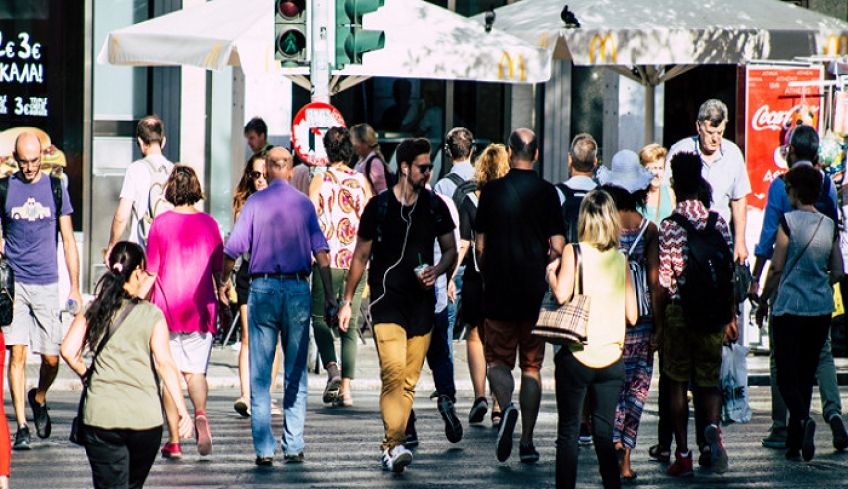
(596, 369)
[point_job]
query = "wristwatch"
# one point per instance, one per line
(343, 303)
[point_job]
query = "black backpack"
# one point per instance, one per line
(463, 188)
(55, 189)
(571, 210)
(390, 177)
(706, 288)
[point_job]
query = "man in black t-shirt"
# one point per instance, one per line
(519, 231)
(396, 234)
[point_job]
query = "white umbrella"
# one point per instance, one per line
(653, 40)
(422, 41)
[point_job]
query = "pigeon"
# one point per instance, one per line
(490, 18)
(569, 18)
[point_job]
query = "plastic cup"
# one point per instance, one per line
(418, 271)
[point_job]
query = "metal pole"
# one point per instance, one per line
(319, 57)
(649, 112)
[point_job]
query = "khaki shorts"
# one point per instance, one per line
(191, 351)
(36, 319)
(504, 337)
(687, 350)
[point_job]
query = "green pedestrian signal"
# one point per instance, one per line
(352, 41)
(291, 31)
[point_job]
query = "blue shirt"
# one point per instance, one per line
(777, 204)
(279, 227)
(30, 232)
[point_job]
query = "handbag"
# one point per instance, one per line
(735, 407)
(77, 435)
(639, 276)
(567, 323)
(7, 292)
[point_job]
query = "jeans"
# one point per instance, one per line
(440, 355)
(121, 458)
(401, 359)
(324, 339)
(797, 345)
(574, 381)
(278, 306)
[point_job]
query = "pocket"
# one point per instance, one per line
(300, 306)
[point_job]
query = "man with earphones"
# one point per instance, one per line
(396, 234)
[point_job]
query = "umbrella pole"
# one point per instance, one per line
(650, 92)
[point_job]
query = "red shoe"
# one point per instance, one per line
(172, 451)
(682, 466)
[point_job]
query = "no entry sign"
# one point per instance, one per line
(308, 129)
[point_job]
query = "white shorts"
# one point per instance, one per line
(36, 319)
(191, 351)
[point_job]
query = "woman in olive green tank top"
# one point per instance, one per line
(123, 413)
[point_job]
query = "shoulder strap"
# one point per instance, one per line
(683, 222)
(803, 250)
(112, 329)
(56, 189)
(4, 190)
(578, 270)
(456, 179)
(563, 188)
(382, 210)
(366, 169)
(638, 237)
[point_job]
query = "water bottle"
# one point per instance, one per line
(71, 307)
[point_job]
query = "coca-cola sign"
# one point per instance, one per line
(776, 120)
(771, 107)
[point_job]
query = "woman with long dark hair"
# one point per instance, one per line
(123, 411)
(252, 180)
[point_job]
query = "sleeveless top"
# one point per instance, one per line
(604, 281)
(665, 210)
(123, 393)
(804, 288)
(341, 201)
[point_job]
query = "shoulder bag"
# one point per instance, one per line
(639, 276)
(77, 426)
(7, 292)
(569, 322)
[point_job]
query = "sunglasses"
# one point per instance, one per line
(424, 168)
(256, 174)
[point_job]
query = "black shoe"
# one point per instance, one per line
(22, 439)
(808, 446)
(43, 426)
(585, 435)
(705, 459)
(411, 434)
(528, 453)
(504, 443)
(264, 461)
(840, 436)
(453, 427)
(294, 458)
(478, 410)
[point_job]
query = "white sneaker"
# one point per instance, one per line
(396, 459)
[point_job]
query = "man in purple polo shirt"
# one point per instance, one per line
(279, 227)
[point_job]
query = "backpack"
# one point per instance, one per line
(387, 172)
(706, 284)
(639, 275)
(383, 209)
(463, 188)
(55, 188)
(156, 203)
(571, 210)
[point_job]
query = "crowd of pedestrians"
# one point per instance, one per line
(476, 249)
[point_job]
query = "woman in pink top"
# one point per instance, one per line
(371, 161)
(185, 251)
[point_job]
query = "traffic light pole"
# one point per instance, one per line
(319, 57)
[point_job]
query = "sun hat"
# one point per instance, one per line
(625, 172)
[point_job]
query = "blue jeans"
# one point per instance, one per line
(278, 307)
(440, 355)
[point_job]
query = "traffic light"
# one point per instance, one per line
(291, 38)
(351, 39)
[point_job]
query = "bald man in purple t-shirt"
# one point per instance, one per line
(279, 227)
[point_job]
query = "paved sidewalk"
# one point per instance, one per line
(223, 371)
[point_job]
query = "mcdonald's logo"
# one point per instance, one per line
(545, 41)
(211, 60)
(840, 46)
(509, 60)
(602, 51)
(113, 48)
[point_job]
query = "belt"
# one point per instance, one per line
(281, 276)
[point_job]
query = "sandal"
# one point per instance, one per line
(660, 453)
(344, 399)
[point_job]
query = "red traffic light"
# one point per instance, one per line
(290, 8)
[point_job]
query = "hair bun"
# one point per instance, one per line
(118, 267)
